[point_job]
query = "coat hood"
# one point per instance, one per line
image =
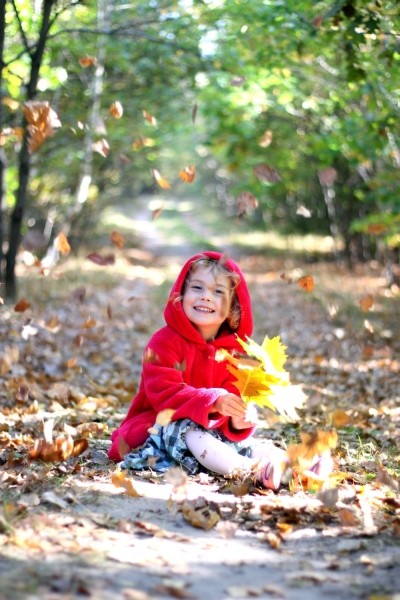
(178, 321)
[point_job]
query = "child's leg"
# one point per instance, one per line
(214, 454)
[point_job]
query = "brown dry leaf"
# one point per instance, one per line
(120, 479)
(384, 478)
(339, 418)
(157, 212)
(246, 203)
(117, 239)
(22, 305)
(100, 260)
(202, 517)
(188, 174)
(164, 417)
(87, 61)
(366, 302)
(42, 121)
(306, 283)
(349, 517)
(61, 244)
(71, 362)
(101, 147)
(89, 323)
(149, 356)
(163, 183)
(266, 174)
(149, 118)
(57, 450)
(116, 110)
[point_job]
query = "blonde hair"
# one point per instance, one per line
(218, 267)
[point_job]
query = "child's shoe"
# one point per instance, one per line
(322, 465)
(272, 469)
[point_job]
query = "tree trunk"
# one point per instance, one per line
(2, 153)
(24, 156)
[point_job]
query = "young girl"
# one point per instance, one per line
(210, 427)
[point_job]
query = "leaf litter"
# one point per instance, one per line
(68, 382)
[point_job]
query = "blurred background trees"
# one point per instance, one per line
(288, 110)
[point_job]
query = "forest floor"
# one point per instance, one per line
(70, 354)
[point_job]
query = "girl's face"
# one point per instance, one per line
(207, 300)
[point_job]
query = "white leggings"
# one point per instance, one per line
(217, 456)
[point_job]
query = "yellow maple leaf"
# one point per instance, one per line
(260, 373)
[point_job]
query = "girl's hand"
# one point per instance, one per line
(230, 405)
(249, 418)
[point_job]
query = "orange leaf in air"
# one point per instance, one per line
(188, 174)
(22, 305)
(116, 110)
(87, 61)
(366, 302)
(265, 139)
(163, 183)
(61, 244)
(152, 120)
(120, 479)
(312, 444)
(376, 228)
(42, 120)
(165, 416)
(306, 283)
(117, 239)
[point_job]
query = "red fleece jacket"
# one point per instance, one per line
(180, 371)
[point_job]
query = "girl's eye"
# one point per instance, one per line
(220, 291)
(196, 287)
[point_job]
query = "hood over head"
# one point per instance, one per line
(177, 320)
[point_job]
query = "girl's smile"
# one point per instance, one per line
(206, 301)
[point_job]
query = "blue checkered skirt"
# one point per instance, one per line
(166, 448)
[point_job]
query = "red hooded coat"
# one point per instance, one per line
(180, 371)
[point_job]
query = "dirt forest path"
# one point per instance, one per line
(79, 535)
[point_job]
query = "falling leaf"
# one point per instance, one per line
(312, 445)
(61, 244)
(88, 61)
(142, 142)
(246, 203)
(163, 183)
(22, 305)
(152, 120)
(157, 212)
(120, 479)
(317, 21)
(366, 302)
(306, 283)
(327, 177)
(117, 239)
(164, 417)
(238, 80)
(116, 110)
(302, 211)
(42, 121)
(180, 366)
(266, 174)
(376, 228)
(149, 356)
(266, 139)
(101, 147)
(188, 174)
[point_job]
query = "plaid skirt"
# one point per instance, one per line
(166, 448)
